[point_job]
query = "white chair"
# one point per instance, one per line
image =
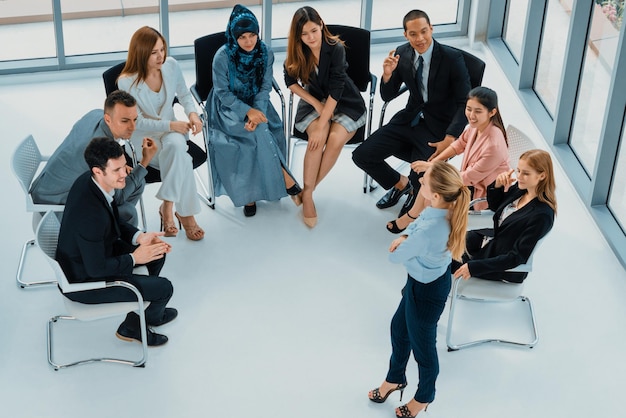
(492, 292)
(47, 238)
(25, 163)
(519, 143)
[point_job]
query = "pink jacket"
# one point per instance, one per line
(484, 157)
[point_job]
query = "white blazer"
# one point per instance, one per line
(149, 119)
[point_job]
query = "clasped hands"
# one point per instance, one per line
(194, 125)
(150, 248)
(255, 117)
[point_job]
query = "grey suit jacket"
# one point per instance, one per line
(68, 163)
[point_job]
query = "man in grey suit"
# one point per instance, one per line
(68, 163)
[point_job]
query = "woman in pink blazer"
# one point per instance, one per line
(484, 146)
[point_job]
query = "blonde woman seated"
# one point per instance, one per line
(524, 208)
(484, 146)
(155, 79)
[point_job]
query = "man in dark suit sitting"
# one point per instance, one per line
(95, 245)
(67, 163)
(434, 116)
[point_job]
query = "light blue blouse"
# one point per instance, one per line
(425, 253)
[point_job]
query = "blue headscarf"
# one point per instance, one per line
(247, 67)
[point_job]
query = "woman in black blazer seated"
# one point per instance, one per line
(524, 213)
(330, 109)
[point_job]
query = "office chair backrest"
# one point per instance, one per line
(205, 49)
(357, 42)
(25, 162)
(110, 77)
(48, 234)
(519, 143)
(475, 67)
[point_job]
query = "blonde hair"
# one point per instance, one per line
(446, 181)
(541, 162)
(300, 62)
(139, 50)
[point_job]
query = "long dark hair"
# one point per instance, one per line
(488, 98)
(300, 62)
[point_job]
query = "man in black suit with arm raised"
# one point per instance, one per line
(434, 116)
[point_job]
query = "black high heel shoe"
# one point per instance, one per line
(394, 228)
(294, 191)
(406, 413)
(376, 397)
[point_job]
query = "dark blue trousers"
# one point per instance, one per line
(414, 328)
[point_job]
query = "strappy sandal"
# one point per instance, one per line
(192, 230)
(376, 397)
(168, 227)
(406, 413)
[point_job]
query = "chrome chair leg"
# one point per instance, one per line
(28, 245)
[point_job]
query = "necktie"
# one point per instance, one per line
(116, 212)
(420, 86)
(418, 73)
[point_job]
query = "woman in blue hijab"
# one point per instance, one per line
(247, 140)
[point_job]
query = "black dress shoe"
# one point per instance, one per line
(128, 334)
(392, 197)
(249, 210)
(168, 316)
(408, 204)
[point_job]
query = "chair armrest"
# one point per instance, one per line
(478, 212)
(400, 92)
(196, 96)
(81, 287)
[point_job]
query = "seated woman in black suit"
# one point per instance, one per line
(524, 213)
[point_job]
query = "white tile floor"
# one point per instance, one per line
(279, 321)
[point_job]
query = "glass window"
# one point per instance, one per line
(552, 54)
(387, 14)
(617, 196)
(192, 19)
(594, 88)
(29, 27)
(513, 31)
(104, 25)
(346, 12)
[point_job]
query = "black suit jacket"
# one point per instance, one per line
(514, 240)
(93, 244)
(448, 86)
(331, 80)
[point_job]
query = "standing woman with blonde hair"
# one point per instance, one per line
(330, 109)
(426, 250)
(155, 80)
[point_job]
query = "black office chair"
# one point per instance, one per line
(205, 49)
(357, 43)
(198, 155)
